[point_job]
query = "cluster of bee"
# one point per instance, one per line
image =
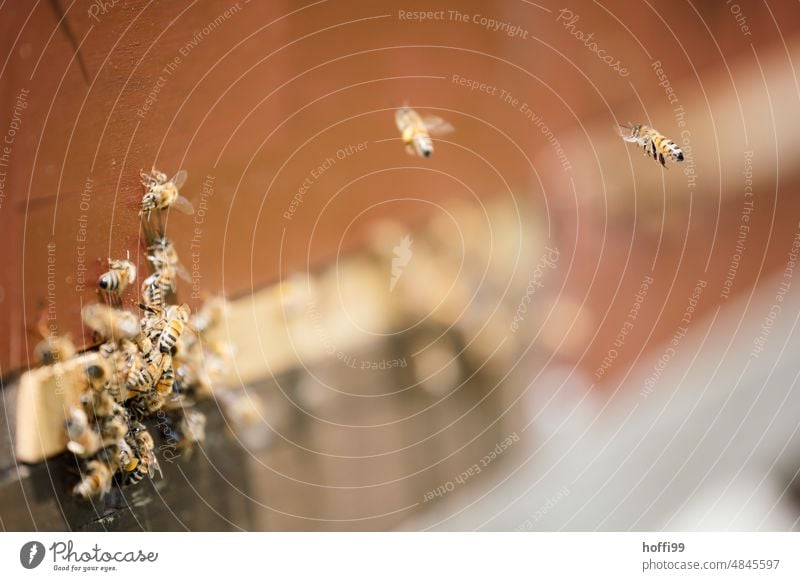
(156, 361)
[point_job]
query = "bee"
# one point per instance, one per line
(118, 455)
(651, 141)
(192, 428)
(166, 381)
(145, 462)
(115, 427)
(416, 131)
(210, 314)
(164, 258)
(120, 274)
(52, 348)
(177, 318)
(153, 292)
(83, 440)
(110, 323)
(98, 373)
(96, 481)
(99, 406)
(142, 375)
(163, 193)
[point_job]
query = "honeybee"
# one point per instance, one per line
(116, 426)
(152, 291)
(99, 373)
(161, 253)
(110, 323)
(416, 131)
(167, 376)
(177, 318)
(145, 462)
(141, 374)
(96, 481)
(163, 193)
(52, 348)
(118, 456)
(210, 314)
(192, 428)
(83, 440)
(651, 141)
(120, 274)
(97, 404)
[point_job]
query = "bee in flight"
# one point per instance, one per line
(162, 193)
(96, 480)
(416, 131)
(651, 141)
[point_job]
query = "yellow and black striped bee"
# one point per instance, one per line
(120, 274)
(651, 141)
(141, 374)
(177, 318)
(166, 381)
(416, 131)
(162, 193)
(145, 462)
(153, 292)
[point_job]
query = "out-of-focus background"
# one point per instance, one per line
(537, 328)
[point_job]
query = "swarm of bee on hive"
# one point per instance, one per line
(155, 362)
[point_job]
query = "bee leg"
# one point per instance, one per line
(663, 162)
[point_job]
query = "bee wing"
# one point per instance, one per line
(437, 126)
(625, 131)
(399, 118)
(182, 272)
(180, 178)
(155, 467)
(182, 205)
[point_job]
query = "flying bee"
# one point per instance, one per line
(177, 318)
(110, 323)
(120, 274)
(96, 481)
(651, 141)
(83, 440)
(163, 193)
(416, 131)
(52, 348)
(210, 314)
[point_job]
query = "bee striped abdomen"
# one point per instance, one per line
(166, 381)
(170, 336)
(109, 281)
